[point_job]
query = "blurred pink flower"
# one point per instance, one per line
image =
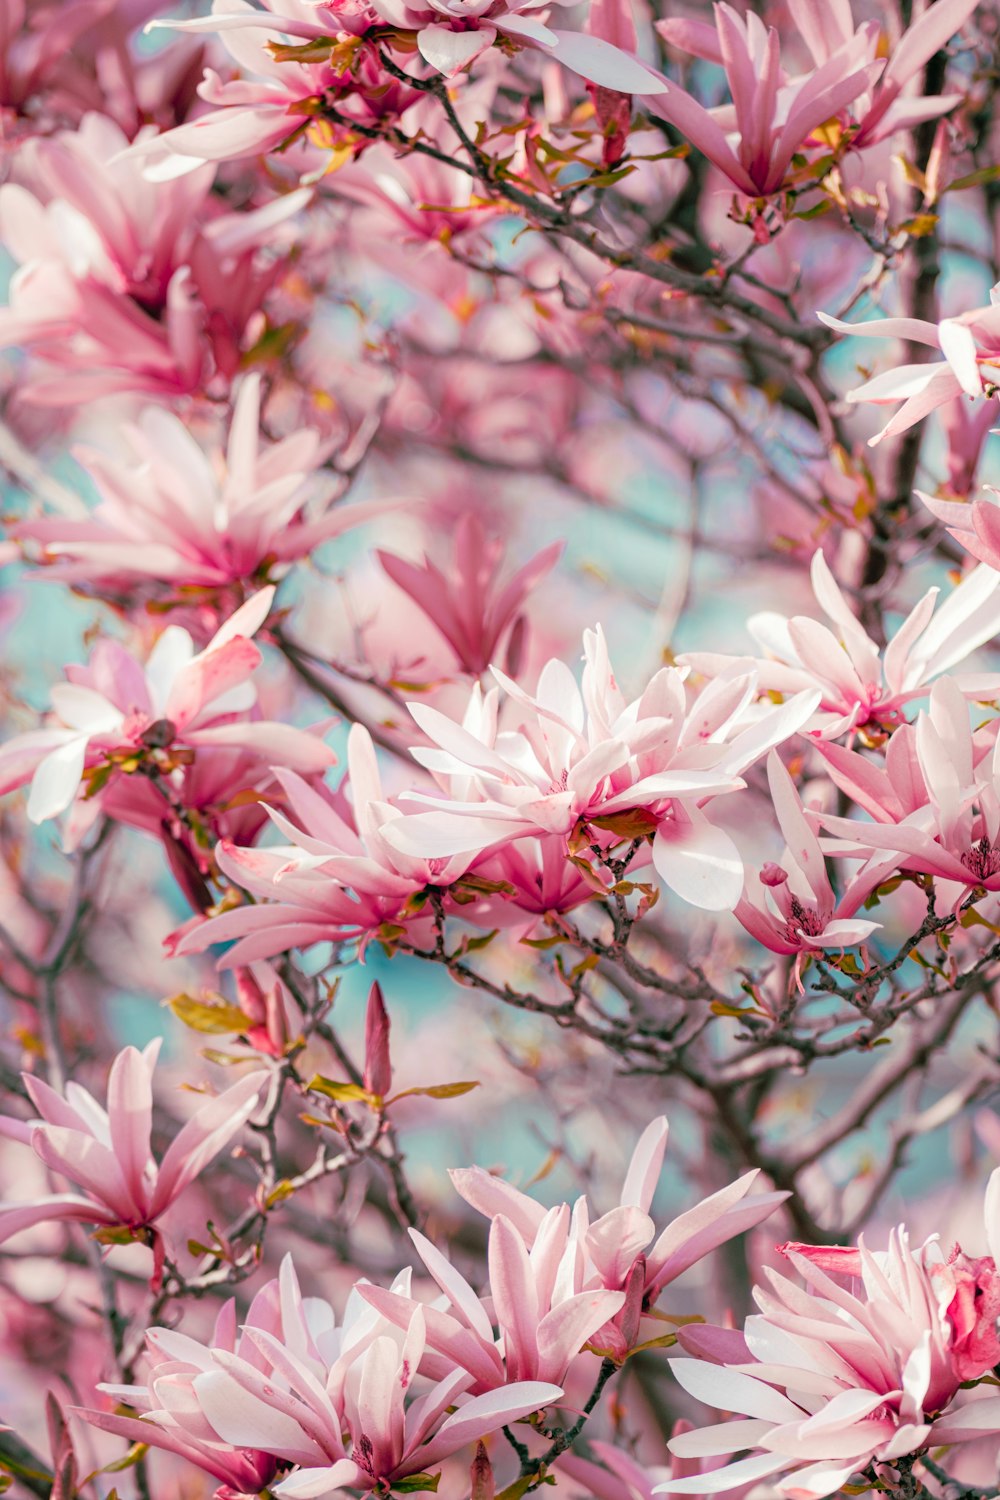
(622, 1477)
(126, 285)
(169, 514)
(826, 26)
(974, 523)
(471, 605)
(106, 1151)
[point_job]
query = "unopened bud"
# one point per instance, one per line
(481, 1475)
(378, 1068)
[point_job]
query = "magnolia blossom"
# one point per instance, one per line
(974, 523)
(559, 1280)
(790, 906)
(61, 58)
(970, 344)
(337, 880)
(827, 26)
(772, 116)
(937, 804)
(543, 1314)
(453, 33)
(450, 34)
(273, 99)
(124, 284)
(167, 513)
(583, 755)
(864, 688)
(106, 1151)
(472, 606)
(293, 1389)
(824, 1381)
(115, 715)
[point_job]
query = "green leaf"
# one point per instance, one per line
(414, 1482)
(974, 179)
(114, 1234)
(315, 51)
(473, 944)
(517, 1489)
(135, 1455)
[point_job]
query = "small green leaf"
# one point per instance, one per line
(135, 1455)
(114, 1234)
(414, 1482)
(437, 1091)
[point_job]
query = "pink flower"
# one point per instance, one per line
(559, 1280)
(123, 284)
(620, 1238)
(583, 755)
(472, 608)
(862, 687)
(179, 701)
(337, 880)
(772, 116)
(259, 111)
(827, 27)
(971, 348)
(790, 907)
(966, 428)
(969, 1288)
(937, 804)
(294, 1389)
(543, 1313)
(974, 523)
(452, 33)
(432, 199)
(55, 54)
(535, 878)
(827, 1381)
(168, 514)
(267, 1003)
(106, 1151)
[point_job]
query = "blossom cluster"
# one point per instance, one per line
(374, 374)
